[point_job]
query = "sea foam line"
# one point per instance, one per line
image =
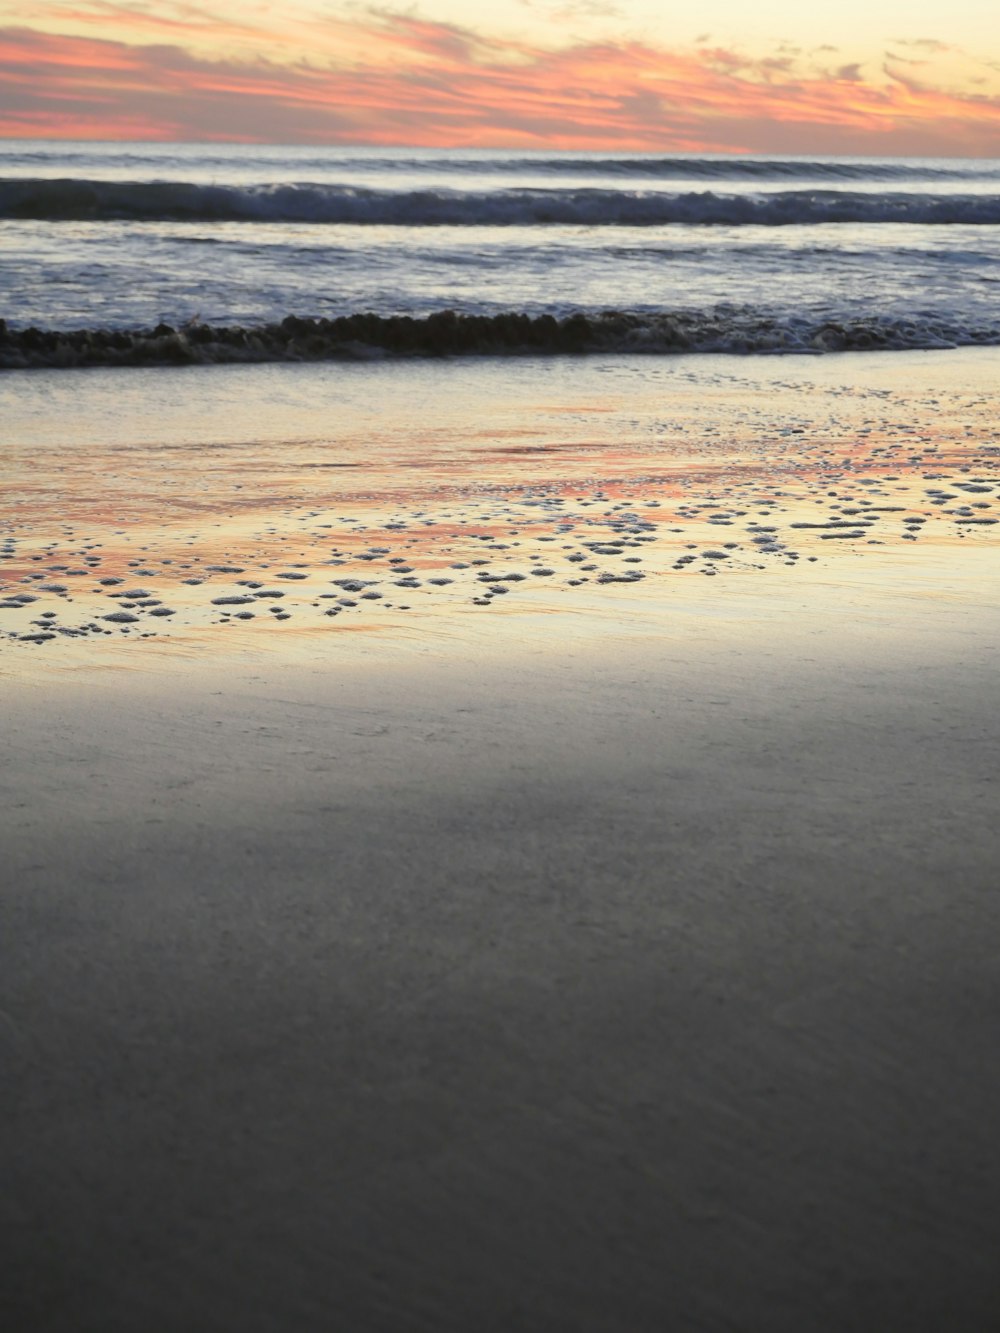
(445, 333)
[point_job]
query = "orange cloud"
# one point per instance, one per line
(394, 79)
(185, 18)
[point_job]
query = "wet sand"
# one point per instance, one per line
(285, 499)
(578, 991)
(615, 957)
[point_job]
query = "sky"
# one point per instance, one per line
(778, 76)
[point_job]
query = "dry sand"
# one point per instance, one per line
(635, 982)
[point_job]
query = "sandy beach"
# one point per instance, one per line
(595, 956)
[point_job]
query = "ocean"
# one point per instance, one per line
(255, 253)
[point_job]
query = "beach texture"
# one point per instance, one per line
(592, 989)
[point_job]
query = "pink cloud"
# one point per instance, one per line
(403, 80)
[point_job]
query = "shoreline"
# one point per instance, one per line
(456, 335)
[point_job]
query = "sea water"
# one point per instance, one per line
(695, 253)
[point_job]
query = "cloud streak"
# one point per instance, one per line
(400, 79)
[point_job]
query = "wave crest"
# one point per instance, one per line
(180, 201)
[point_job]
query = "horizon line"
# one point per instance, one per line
(599, 150)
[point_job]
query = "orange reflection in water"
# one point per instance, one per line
(545, 507)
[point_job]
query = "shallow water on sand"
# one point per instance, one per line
(269, 506)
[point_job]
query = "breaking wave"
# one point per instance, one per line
(700, 168)
(371, 336)
(720, 167)
(180, 201)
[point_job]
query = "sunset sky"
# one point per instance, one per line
(860, 76)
